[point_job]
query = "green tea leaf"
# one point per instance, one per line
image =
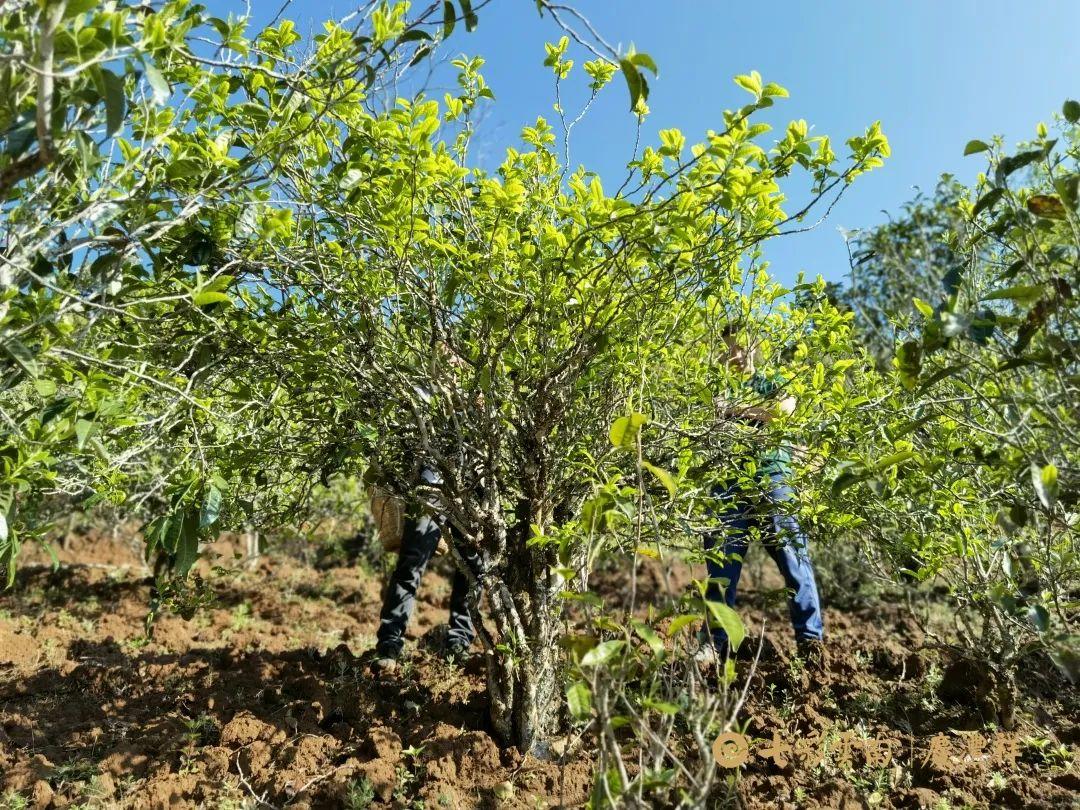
(1022, 293)
(23, 357)
(471, 20)
(1071, 110)
(211, 508)
(187, 547)
(158, 84)
(1045, 480)
(83, 428)
(624, 430)
(645, 61)
(987, 201)
(579, 700)
(894, 459)
(679, 622)
(1066, 657)
(649, 636)
(449, 18)
(602, 653)
(847, 479)
(635, 83)
(663, 476)
(729, 620)
(204, 297)
(660, 706)
(115, 101)
(1040, 617)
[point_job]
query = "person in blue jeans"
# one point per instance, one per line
(762, 508)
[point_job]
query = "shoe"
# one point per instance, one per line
(709, 654)
(456, 649)
(710, 650)
(707, 658)
(385, 660)
(812, 652)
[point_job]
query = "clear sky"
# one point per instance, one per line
(937, 73)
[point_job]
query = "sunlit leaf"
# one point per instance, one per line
(729, 621)
(602, 653)
(1047, 206)
(624, 430)
(1045, 480)
(158, 84)
(663, 476)
(579, 700)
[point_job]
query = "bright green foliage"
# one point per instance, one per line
(985, 417)
(121, 178)
(255, 279)
(230, 274)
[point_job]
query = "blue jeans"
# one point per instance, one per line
(418, 544)
(785, 542)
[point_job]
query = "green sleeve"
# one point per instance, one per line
(767, 385)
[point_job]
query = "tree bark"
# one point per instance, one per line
(522, 656)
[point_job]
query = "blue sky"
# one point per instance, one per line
(937, 73)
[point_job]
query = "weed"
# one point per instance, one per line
(73, 772)
(201, 730)
(93, 793)
(126, 785)
(53, 653)
(135, 643)
(405, 779)
(235, 799)
(928, 688)
(1046, 753)
(872, 782)
(828, 699)
(70, 621)
(241, 616)
(864, 704)
(360, 794)
(796, 667)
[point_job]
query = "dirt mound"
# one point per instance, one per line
(262, 698)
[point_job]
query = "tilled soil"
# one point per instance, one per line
(260, 700)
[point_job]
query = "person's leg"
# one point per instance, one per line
(790, 549)
(461, 631)
(418, 544)
(734, 514)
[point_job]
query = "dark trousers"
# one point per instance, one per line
(418, 544)
(784, 540)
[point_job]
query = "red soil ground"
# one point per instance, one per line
(260, 701)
